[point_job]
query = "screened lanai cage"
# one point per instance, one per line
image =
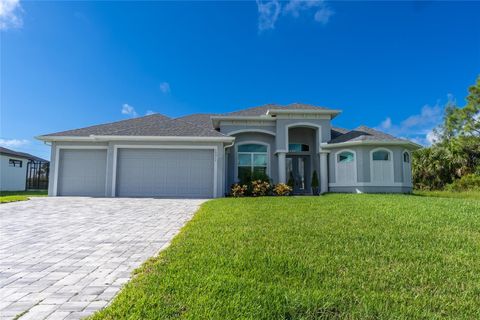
(37, 175)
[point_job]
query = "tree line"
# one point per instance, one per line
(453, 161)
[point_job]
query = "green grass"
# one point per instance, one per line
(330, 257)
(13, 196)
(472, 194)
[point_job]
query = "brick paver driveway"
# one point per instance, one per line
(64, 258)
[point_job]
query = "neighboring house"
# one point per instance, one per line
(202, 155)
(13, 169)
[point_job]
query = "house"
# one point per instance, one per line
(202, 155)
(13, 169)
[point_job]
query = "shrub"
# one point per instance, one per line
(467, 182)
(238, 190)
(260, 188)
(282, 189)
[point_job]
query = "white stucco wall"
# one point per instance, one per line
(12, 178)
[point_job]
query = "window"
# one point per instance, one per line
(298, 147)
(15, 163)
(381, 167)
(381, 155)
(252, 159)
(346, 167)
(406, 157)
(345, 157)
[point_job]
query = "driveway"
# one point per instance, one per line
(65, 257)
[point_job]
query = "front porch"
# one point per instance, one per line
(301, 157)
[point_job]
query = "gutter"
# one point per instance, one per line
(371, 143)
(97, 138)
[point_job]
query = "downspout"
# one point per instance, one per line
(225, 165)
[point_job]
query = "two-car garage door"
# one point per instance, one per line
(164, 172)
(139, 172)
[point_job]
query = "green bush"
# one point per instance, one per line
(465, 183)
(260, 188)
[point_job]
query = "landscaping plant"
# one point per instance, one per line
(282, 189)
(238, 190)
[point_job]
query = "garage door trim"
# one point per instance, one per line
(176, 147)
(57, 161)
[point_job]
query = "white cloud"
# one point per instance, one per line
(268, 12)
(417, 127)
(10, 14)
(165, 87)
(386, 124)
(323, 15)
(13, 143)
(129, 110)
(150, 112)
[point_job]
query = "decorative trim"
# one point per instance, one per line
(304, 125)
(57, 159)
(355, 175)
(371, 143)
(235, 160)
(370, 184)
(251, 130)
(188, 147)
(391, 163)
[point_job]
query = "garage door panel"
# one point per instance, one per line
(165, 173)
(82, 172)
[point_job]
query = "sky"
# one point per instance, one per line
(388, 65)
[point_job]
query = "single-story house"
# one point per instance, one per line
(202, 155)
(13, 169)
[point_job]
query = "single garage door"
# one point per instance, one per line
(164, 173)
(81, 172)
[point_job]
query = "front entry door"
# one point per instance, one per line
(298, 173)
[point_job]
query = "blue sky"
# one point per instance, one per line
(389, 65)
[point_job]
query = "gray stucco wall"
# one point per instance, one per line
(250, 137)
(363, 162)
(110, 159)
(282, 124)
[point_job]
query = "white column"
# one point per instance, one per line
(281, 167)
(323, 172)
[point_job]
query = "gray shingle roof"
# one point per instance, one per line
(200, 119)
(262, 110)
(152, 125)
(18, 154)
(364, 133)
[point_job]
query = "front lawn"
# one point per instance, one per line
(330, 257)
(471, 194)
(12, 196)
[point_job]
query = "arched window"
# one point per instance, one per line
(345, 156)
(381, 155)
(407, 168)
(252, 159)
(345, 167)
(381, 166)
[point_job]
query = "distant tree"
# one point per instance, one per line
(457, 151)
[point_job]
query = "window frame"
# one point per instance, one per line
(13, 163)
(252, 154)
(301, 147)
(337, 164)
